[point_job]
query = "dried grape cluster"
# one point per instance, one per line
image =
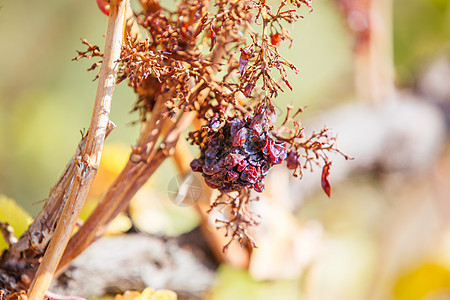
(206, 57)
(238, 154)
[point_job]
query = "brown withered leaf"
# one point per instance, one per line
(325, 183)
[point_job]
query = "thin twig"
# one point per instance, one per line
(90, 160)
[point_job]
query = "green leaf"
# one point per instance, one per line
(238, 284)
(14, 215)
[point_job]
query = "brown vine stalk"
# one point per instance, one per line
(89, 161)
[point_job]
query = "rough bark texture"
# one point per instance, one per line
(136, 261)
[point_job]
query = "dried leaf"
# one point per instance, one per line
(287, 83)
(325, 183)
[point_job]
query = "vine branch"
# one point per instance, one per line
(88, 162)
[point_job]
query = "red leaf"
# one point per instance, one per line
(325, 183)
(287, 83)
(104, 6)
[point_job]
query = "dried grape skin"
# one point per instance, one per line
(238, 154)
(240, 137)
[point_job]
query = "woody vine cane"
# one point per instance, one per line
(89, 161)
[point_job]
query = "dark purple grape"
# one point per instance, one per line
(235, 126)
(240, 137)
(255, 159)
(241, 165)
(249, 174)
(215, 123)
(196, 165)
(232, 176)
(220, 176)
(238, 153)
(211, 169)
(292, 160)
(233, 159)
(278, 153)
(267, 146)
(210, 182)
(248, 90)
(258, 124)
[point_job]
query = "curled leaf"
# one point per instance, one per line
(325, 183)
(287, 83)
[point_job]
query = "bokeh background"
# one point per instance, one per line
(384, 234)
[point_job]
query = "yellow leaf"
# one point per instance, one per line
(119, 225)
(14, 215)
(165, 295)
(114, 158)
(426, 280)
(128, 295)
(147, 293)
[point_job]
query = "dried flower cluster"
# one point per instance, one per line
(207, 57)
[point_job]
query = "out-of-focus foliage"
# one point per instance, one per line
(421, 33)
(147, 294)
(45, 98)
(372, 228)
(14, 215)
(428, 281)
(152, 212)
(237, 284)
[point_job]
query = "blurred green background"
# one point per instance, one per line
(46, 99)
